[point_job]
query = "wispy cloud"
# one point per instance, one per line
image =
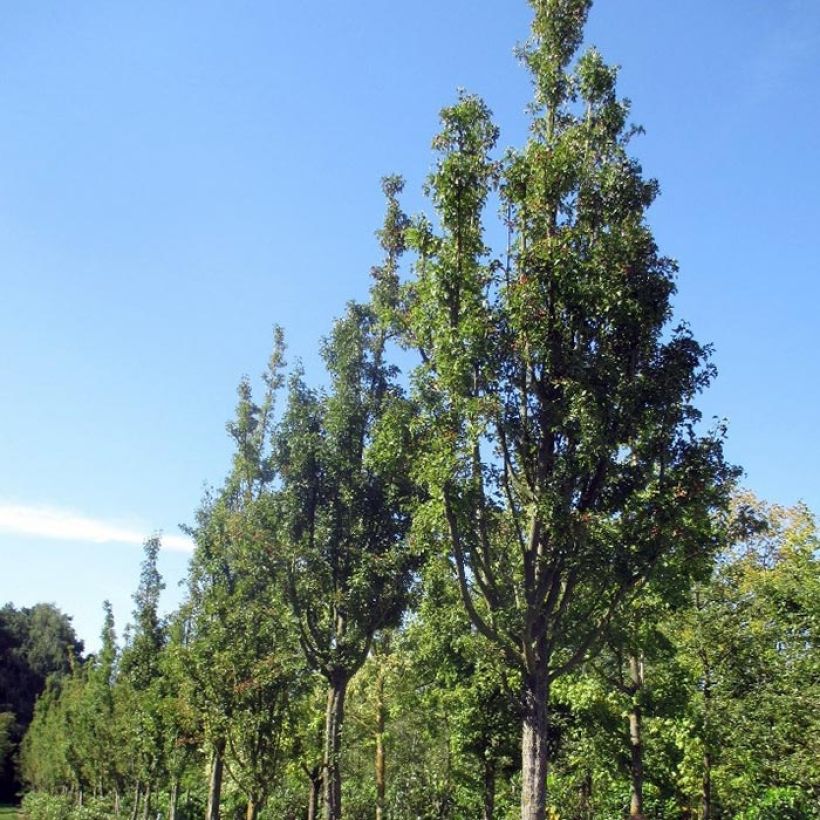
(65, 525)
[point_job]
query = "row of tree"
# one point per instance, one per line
(509, 536)
(704, 705)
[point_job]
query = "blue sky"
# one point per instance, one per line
(177, 177)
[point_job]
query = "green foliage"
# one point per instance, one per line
(241, 658)
(750, 642)
(782, 803)
(341, 513)
(43, 806)
(35, 643)
(7, 727)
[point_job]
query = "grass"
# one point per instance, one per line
(9, 813)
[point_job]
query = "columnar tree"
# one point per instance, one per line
(563, 453)
(140, 685)
(240, 655)
(102, 748)
(341, 514)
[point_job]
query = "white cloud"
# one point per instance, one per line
(64, 525)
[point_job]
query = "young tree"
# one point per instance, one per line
(241, 653)
(341, 515)
(101, 752)
(140, 686)
(562, 454)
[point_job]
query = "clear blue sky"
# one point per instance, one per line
(177, 177)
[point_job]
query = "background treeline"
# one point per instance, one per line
(721, 685)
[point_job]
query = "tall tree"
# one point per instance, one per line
(342, 515)
(235, 652)
(563, 455)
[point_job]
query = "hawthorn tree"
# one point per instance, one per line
(563, 455)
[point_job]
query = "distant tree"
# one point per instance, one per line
(35, 643)
(6, 742)
(140, 683)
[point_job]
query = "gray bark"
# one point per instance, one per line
(215, 785)
(636, 739)
(334, 718)
(534, 738)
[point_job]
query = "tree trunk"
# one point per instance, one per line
(380, 762)
(172, 799)
(534, 739)
(215, 785)
(135, 808)
(334, 718)
(315, 792)
(585, 797)
(251, 810)
(636, 740)
(146, 806)
(706, 796)
(706, 792)
(489, 785)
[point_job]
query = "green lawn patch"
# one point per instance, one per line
(9, 813)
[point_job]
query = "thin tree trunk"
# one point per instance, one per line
(380, 761)
(251, 810)
(706, 791)
(636, 740)
(116, 801)
(146, 806)
(334, 718)
(489, 785)
(585, 800)
(136, 806)
(172, 799)
(215, 785)
(315, 792)
(534, 739)
(706, 795)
